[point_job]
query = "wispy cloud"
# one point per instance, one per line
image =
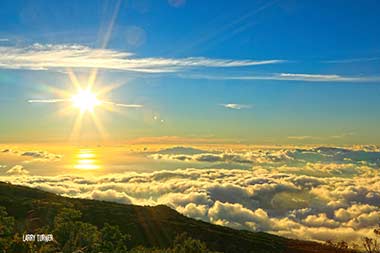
(180, 140)
(309, 137)
(53, 100)
(288, 77)
(236, 106)
(303, 137)
(325, 78)
(4, 39)
(46, 100)
(49, 56)
(353, 60)
(123, 105)
(313, 77)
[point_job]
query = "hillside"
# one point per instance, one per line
(148, 226)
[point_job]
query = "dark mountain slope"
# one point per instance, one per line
(149, 226)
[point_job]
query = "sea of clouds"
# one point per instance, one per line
(315, 193)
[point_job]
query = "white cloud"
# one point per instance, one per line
(288, 77)
(110, 195)
(17, 170)
(238, 198)
(310, 77)
(302, 137)
(46, 100)
(320, 138)
(236, 215)
(50, 56)
(320, 220)
(353, 60)
(195, 211)
(333, 159)
(298, 197)
(236, 106)
(249, 157)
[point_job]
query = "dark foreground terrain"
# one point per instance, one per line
(151, 227)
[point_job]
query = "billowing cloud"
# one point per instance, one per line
(236, 215)
(316, 193)
(285, 204)
(249, 157)
(42, 155)
(61, 56)
(334, 159)
(17, 170)
(110, 195)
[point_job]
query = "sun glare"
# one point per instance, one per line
(86, 159)
(85, 100)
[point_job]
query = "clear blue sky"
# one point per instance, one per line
(250, 71)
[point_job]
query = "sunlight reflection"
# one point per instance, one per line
(86, 160)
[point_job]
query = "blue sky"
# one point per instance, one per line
(199, 79)
(248, 71)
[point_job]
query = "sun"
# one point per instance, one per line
(85, 100)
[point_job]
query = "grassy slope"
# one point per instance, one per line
(148, 226)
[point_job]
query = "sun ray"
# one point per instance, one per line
(86, 99)
(99, 126)
(106, 89)
(107, 34)
(92, 78)
(76, 127)
(73, 78)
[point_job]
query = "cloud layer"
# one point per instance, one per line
(35, 155)
(317, 193)
(53, 56)
(63, 56)
(282, 158)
